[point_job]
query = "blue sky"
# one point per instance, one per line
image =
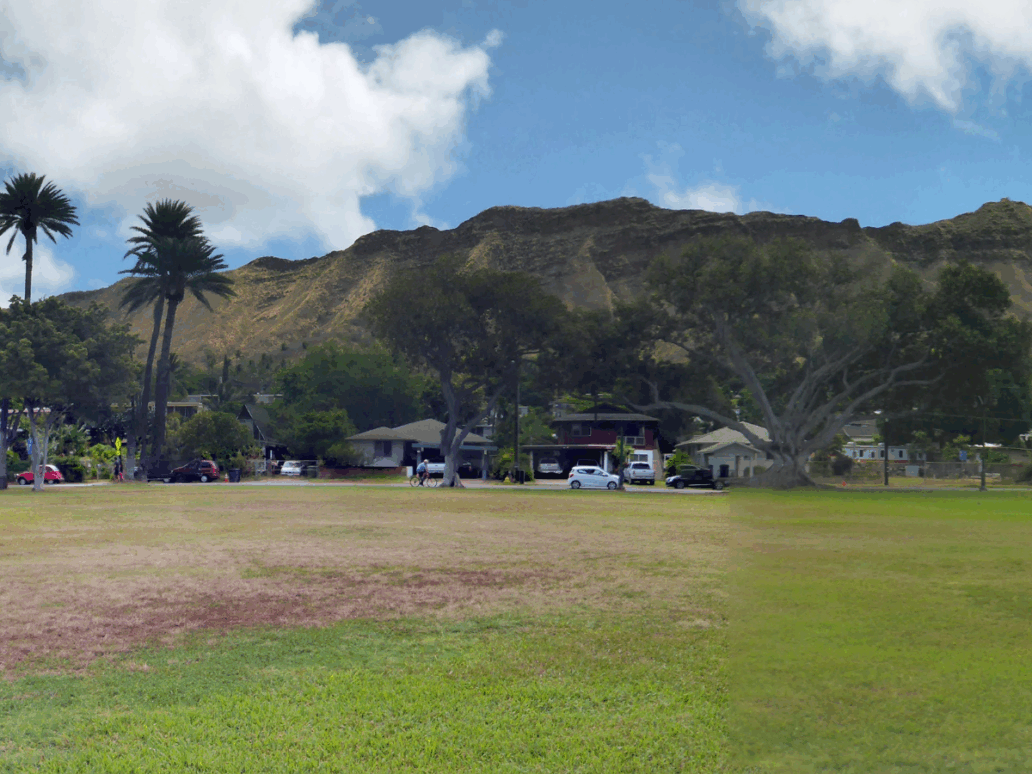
(294, 128)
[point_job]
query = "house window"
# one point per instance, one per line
(881, 453)
(578, 429)
(383, 448)
(901, 454)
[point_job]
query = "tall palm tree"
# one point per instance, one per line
(26, 205)
(187, 265)
(164, 220)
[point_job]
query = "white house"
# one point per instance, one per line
(728, 453)
(870, 452)
(380, 447)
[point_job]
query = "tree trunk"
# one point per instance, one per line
(35, 456)
(786, 473)
(162, 384)
(130, 450)
(28, 269)
(5, 412)
(143, 409)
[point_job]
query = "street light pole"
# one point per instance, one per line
(516, 440)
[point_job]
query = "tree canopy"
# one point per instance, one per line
(815, 338)
(62, 360)
(374, 388)
(471, 327)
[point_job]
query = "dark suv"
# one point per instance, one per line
(196, 470)
(690, 475)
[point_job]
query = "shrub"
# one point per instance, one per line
(71, 468)
(503, 464)
(841, 465)
(1025, 476)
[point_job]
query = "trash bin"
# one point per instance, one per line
(234, 475)
(312, 471)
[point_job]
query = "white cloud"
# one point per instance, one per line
(970, 127)
(924, 49)
(264, 133)
(709, 195)
(49, 275)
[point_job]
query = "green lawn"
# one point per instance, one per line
(315, 629)
(882, 632)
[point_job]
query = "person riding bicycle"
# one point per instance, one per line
(421, 471)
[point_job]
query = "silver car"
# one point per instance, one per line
(550, 466)
(592, 478)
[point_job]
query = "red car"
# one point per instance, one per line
(50, 476)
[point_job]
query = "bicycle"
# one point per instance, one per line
(430, 482)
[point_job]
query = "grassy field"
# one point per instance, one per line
(214, 628)
(881, 632)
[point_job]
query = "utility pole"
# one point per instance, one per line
(516, 438)
(982, 455)
(885, 452)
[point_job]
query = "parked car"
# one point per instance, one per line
(196, 470)
(51, 475)
(549, 466)
(293, 468)
(592, 478)
(640, 473)
(694, 477)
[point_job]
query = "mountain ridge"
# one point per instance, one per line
(587, 254)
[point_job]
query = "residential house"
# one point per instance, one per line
(868, 452)
(862, 430)
(728, 453)
(257, 420)
(385, 447)
(594, 435)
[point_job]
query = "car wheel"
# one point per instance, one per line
(204, 478)
(718, 485)
(575, 485)
(679, 485)
(22, 481)
(611, 485)
(168, 480)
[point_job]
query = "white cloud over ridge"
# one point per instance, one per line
(708, 195)
(49, 275)
(924, 49)
(265, 133)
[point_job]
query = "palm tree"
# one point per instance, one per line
(166, 219)
(27, 206)
(186, 265)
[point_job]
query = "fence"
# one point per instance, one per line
(922, 474)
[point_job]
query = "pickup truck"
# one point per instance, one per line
(640, 473)
(435, 468)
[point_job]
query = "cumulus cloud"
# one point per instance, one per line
(266, 133)
(49, 275)
(924, 49)
(709, 195)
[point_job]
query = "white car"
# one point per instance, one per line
(292, 468)
(592, 478)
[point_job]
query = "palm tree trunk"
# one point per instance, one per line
(28, 269)
(162, 384)
(148, 371)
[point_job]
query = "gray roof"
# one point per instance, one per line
(718, 446)
(605, 416)
(727, 435)
(861, 428)
(380, 434)
(260, 416)
(428, 433)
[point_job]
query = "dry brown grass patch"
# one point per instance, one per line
(94, 572)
